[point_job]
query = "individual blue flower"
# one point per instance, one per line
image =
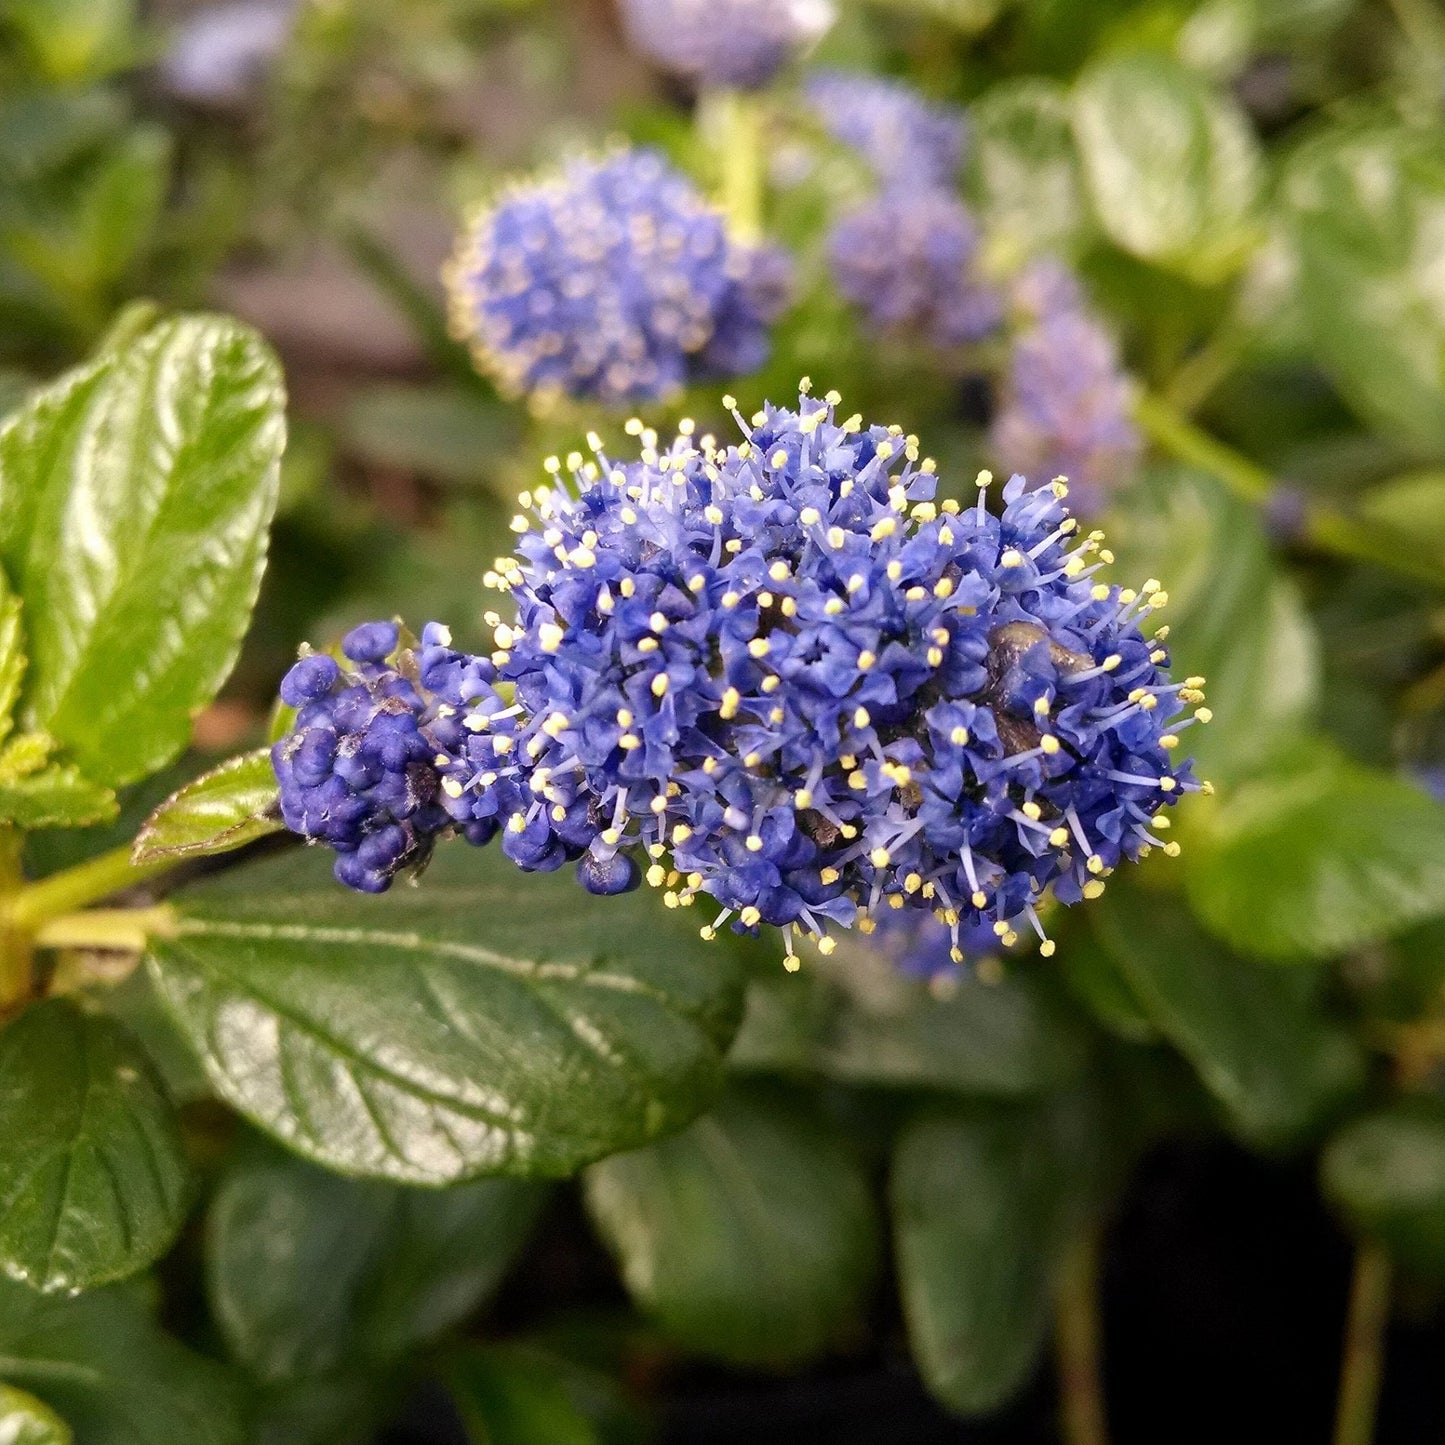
(737, 43)
(909, 259)
(780, 674)
(613, 280)
(356, 771)
(903, 137)
(1067, 401)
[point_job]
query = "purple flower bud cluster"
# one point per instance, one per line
(1067, 400)
(613, 280)
(908, 257)
(738, 43)
(904, 137)
(357, 771)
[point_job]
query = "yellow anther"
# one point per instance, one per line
(1094, 888)
(659, 685)
(753, 843)
(549, 636)
(759, 647)
(1059, 838)
(1049, 743)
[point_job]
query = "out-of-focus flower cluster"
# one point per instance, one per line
(1066, 403)
(779, 674)
(612, 280)
(739, 43)
(904, 138)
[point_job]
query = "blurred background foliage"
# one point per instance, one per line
(1254, 192)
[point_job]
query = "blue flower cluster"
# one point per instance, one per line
(921, 947)
(614, 281)
(908, 258)
(1067, 402)
(778, 673)
(357, 771)
(738, 43)
(906, 139)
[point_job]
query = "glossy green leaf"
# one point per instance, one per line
(55, 796)
(1365, 205)
(1318, 859)
(224, 809)
(1171, 165)
(751, 1236)
(308, 1272)
(1023, 167)
(486, 1022)
(25, 1421)
(1259, 1038)
(857, 1019)
(979, 1208)
(1233, 618)
(102, 1363)
(135, 497)
(92, 1177)
(1385, 1172)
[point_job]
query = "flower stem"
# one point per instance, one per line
(1363, 1362)
(25, 911)
(734, 121)
(1078, 1344)
(122, 930)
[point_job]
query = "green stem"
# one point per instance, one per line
(26, 910)
(1078, 1342)
(735, 122)
(1363, 1362)
(120, 930)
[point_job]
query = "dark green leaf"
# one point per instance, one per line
(856, 1018)
(1259, 1038)
(1023, 167)
(485, 1022)
(979, 1211)
(224, 809)
(750, 1236)
(92, 1177)
(1412, 509)
(450, 434)
(515, 1396)
(1097, 981)
(25, 1421)
(100, 1361)
(1364, 206)
(1171, 165)
(135, 497)
(1318, 859)
(308, 1271)
(1233, 618)
(1385, 1173)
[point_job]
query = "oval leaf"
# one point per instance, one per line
(750, 1236)
(1172, 166)
(92, 1177)
(222, 810)
(135, 498)
(486, 1022)
(100, 1361)
(1309, 863)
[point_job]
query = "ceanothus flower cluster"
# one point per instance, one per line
(356, 770)
(1067, 400)
(737, 43)
(613, 280)
(905, 138)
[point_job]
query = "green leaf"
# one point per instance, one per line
(1023, 167)
(1365, 205)
(100, 1361)
(308, 1271)
(55, 797)
(1233, 617)
(135, 497)
(1412, 509)
(856, 1018)
(12, 656)
(485, 1022)
(224, 809)
(1098, 982)
(1318, 859)
(514, 1395)
(1171, 165)
(1258, 1037)
(94, 1181)
(447, 433)
(980, 1205)
(751, 1236)
(1385, 1172)
(25, 1421)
